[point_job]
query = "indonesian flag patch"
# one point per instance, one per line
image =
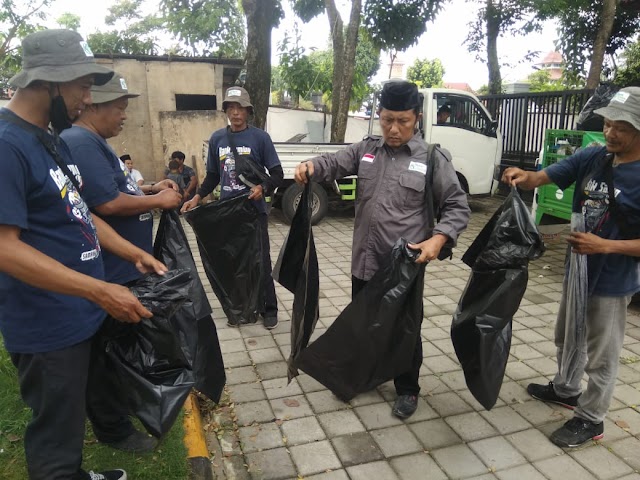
(368, 157)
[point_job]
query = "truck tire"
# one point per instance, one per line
(292, 196)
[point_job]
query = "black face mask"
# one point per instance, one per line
(58, 114)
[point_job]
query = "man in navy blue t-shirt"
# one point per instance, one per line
(109, 190)
(221, 169)
(608, 195)
(112, 194)
(53, 296)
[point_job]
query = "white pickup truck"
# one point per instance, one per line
(469, 134)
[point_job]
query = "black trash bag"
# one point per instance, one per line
(374, 338)
(592, 122)
(147, 357)
(229, 238)
(192, 321)
(297, 271)
(481, 327)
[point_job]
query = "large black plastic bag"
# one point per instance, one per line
(297, 271)
(192, 320)
(147, 356)
(576, 285)
(589, 121)
(374, 338)
(229, 239)
(481, 328)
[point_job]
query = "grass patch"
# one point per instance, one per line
(167, 462)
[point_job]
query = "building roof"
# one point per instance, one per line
(172, 58)
(551, 57)
(459, 86)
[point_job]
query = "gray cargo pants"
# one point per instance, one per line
(599, 357)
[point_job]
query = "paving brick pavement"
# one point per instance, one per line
(270, 430)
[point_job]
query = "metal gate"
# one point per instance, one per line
(523, 119)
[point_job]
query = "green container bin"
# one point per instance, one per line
(558, 145)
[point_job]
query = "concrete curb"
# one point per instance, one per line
(194, 440)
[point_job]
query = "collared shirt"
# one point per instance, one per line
(390, 198)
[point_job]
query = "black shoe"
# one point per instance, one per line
(270, 322)
(137, 442)
(405, 406)
(577, 432)
(108, 475)
(546, 393)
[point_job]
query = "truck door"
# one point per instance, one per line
(463, 126)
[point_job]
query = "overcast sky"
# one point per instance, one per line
(444, 39)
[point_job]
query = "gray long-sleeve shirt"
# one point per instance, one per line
(390, 200)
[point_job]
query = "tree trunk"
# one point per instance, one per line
(260, 21)
(344, 55)
(493, 32)
(600, 43)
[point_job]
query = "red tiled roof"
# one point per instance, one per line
(551, 57)
(459, 86)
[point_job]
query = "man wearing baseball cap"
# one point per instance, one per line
(608, 195)
(53, 293)
(391, 203)
(112, 194)
(222, 167)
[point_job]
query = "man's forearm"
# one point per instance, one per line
(111, 241)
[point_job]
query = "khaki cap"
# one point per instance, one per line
(236, 95)
(112, 90)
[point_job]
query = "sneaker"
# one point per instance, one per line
(546, 393)
(108, 475)
(405, 406)
(270, 322)
(137, 442)
(577, 432)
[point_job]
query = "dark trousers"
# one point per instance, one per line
(54, 386)
(270, 300)
(405, 383)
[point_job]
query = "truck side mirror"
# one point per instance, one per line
(492, 129)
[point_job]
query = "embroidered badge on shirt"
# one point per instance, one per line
(368, 157)
(418, 167)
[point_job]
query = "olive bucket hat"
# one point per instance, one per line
(112, 90)
(57, 56)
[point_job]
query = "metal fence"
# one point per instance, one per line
(523, 119)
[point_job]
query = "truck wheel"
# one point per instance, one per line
(291, 199)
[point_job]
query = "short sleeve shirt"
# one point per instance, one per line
(39, 199)
(252, 142)
(187, 173)
(106, 177)
(612, 274)
(136, 175)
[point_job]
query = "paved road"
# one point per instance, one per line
(268, 430)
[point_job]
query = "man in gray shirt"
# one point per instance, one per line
(391, 201)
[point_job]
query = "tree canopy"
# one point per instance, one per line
(580, 28)
(629, 73)
(426, 73)
(206, 27)
(392, 25)
(17, 19)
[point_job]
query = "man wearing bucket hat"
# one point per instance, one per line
(53, 296)
(608, 195)
(222, 167)
(112, 194)
(392, 178)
